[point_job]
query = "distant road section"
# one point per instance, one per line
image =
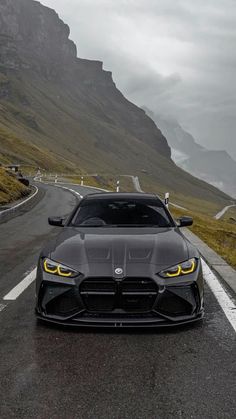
(136, 183)
(223, 211)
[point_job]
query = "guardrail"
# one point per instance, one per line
(16, 210)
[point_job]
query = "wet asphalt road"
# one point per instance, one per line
(48, 372)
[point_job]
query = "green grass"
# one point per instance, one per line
(14, 149)
(220, 235)
(10, 188)
(230, 215)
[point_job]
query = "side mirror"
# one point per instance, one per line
(185, 221)
(56, 221)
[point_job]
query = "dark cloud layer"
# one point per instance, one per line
(176, 57)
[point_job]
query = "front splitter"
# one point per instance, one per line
(125, 324)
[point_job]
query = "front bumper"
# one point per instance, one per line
(132, 302)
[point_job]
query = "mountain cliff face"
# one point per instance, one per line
(33, 38)
(61, 112)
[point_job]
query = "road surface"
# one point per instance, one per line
(220, 214)
(52, 373)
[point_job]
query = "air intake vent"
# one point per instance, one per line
(130, 295)
(98, 294)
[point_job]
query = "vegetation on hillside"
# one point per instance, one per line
(230, 215)
(220, 235)
(10, 188)
(14, 149)
(67, 128)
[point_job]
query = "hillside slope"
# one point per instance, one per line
(10, 188)
(63, 113)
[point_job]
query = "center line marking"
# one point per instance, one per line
(21, 287)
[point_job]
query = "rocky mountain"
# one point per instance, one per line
(64, 113)
(214, 166)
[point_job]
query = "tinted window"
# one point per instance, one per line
(107, 212)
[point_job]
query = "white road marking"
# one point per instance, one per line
(71, 190)
(2, 306)
(23, 202)
(21, 287)
(227, 305)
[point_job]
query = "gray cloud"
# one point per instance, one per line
(176, 57)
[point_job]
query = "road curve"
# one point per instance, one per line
(48, 372)
(220, 214)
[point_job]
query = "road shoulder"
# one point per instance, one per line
(21, 206)
(214, 261)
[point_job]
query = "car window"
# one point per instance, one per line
(122, 213)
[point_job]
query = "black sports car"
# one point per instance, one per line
(120, 260)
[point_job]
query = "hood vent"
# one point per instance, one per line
(140, 254)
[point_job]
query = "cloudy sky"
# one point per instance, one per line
(177, 57)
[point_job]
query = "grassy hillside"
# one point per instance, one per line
(220, 235)
(60, 131)
(10, 188)
(230, 215)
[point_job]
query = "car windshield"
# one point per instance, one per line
(122, 213)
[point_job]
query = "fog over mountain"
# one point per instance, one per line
(176, 57)
(214, 166)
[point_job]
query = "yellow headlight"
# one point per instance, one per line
(65, 273)
(49, 267)
(56, 268)
(176, 272)
(184, 268)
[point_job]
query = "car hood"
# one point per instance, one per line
(96, 251)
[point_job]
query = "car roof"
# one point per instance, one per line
(121, 195)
